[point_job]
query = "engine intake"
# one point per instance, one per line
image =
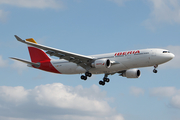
(132, 73)
(101, 63)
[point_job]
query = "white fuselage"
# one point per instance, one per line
(122, 61)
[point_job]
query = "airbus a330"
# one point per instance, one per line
(124, 63)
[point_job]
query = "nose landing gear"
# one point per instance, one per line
(154, 70)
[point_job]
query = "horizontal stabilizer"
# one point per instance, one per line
(27, 62)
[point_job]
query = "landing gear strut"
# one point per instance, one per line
(105, 79)
(154, 70)
(87, 74)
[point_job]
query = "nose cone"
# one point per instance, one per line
(164, 57)
(171, 56)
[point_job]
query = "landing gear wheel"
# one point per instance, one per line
(155, 71)
(106, 79)
(88, 74)
(102, 83)
(83, 77)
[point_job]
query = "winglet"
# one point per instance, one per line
(28, 40)
(19, 39)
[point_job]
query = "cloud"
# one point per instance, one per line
(19, 66)
(14, 95)
(172, 93)
(136, 91)
(3, 63)
(163, 91)
(40, 4)
(3, 16)
(175, 101)
(34, 3)
(48, 95)
(56, 101)
(163, 11)
(174, 63)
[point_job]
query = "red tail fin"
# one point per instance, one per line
(37, 55)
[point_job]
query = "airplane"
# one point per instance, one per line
(124, 63)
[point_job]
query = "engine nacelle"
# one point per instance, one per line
(101, 63)
(132, 73)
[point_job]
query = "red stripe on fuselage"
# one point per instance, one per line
(47, 66)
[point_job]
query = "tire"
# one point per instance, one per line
(89, 75)
(82, 77)
(155, 71)
(101, 83)
(85, 77)
(106, 79)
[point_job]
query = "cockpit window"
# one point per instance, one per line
(166, 52)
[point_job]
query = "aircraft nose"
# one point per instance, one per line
(170, 56)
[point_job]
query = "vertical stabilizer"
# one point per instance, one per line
(36, 54)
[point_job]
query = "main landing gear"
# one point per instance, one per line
(105, 79)
(87, 74)
(154, 70)
(101, 82)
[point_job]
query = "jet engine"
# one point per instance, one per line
(101, 63)
(131, 73)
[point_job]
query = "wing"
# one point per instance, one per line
(81, 60)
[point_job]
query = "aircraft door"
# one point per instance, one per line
(152, 57)
(153, 53)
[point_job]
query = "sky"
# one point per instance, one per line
(89, 27)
